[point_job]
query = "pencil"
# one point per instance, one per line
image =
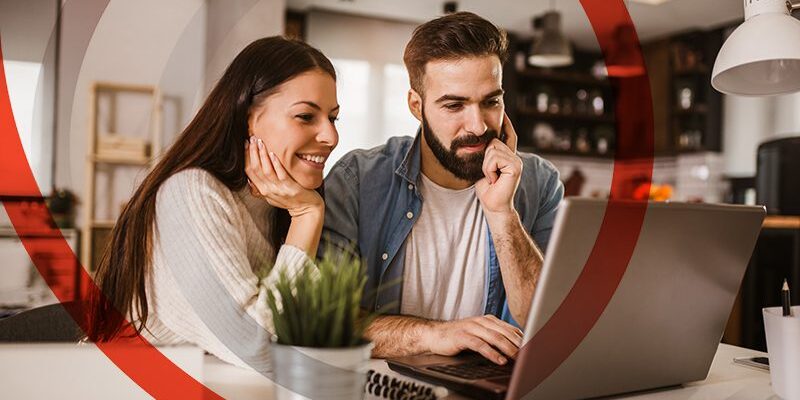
(787, 308)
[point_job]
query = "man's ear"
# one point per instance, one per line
(415, 104)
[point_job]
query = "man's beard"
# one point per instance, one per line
(469, 167)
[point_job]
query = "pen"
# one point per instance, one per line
(787, 308)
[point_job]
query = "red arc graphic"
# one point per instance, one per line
(553, 344)
(138, 359)
(622, 223)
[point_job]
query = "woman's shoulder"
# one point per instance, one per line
(196, 179)
(194, 186)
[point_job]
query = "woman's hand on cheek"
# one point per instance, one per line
(269, 180)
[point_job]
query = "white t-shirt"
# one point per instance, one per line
(445, 262)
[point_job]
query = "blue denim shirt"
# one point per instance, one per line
(372, 202)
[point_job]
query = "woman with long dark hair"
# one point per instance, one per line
(233, 201)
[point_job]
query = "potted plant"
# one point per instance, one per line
(319, 350)
(62, 207)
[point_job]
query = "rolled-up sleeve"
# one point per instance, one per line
(551, 192)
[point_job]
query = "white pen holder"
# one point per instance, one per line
(783, 345)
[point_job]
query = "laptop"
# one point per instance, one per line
(661, 325)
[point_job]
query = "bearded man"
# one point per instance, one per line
(451, 223)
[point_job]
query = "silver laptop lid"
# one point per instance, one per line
(664, 318)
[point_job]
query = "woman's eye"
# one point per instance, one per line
(305, 117)
(333, 119)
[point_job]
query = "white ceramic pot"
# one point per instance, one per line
(320, 373)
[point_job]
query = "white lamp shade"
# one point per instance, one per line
(760, 58)
(550, 60)
(553, 48)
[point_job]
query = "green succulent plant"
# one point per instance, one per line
(320, 305)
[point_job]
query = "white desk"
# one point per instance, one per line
(726, 380)
(34, 371)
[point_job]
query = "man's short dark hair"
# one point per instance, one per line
(451, 37)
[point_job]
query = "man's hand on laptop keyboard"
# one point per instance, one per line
(494, 339)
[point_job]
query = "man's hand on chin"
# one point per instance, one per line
(502, 169)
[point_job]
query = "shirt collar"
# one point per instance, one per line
(410, 166)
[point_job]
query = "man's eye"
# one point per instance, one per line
(305, 117)
(453, 106)
(493, 102)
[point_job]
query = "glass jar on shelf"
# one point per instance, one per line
(604, 139)
(582, 102)
(563, 140)
(543, 136)
(598, 104)
(686, 97)
(542, 100)
(684, 94)
(520, 61)
(602, 146)
(582, 143)
(554, 106)
(690, 139)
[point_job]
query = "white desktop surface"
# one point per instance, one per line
(33, 371)
(726, 380)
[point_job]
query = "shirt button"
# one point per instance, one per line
(410, 187)
(409, 215)
(384, 256)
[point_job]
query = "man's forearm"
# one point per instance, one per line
(520, 262)
(398, 335)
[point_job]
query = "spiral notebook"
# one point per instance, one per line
(387, 385)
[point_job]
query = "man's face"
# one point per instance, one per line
(462, 111)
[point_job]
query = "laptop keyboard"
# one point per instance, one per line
(478, 369)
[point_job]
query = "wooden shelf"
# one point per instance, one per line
(104, 159)
(124, 87)
(781, 222)
(689, 59)
(9, 232)
(103, 224)
(701, 69)
(564, 76)
(530, 149)
(22, 198)
(96, 231)
(700, 109)
(568, 117)
(691, 151)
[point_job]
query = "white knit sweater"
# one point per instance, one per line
(202, 287)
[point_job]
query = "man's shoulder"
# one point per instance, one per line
(379, 158)
(537, 165)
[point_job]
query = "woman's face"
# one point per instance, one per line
(297, 123)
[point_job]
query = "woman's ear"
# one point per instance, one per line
(256, 112)
(250, 124)
(415, 104)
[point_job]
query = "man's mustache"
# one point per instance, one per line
(474, 140)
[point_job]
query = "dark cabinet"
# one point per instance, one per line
(571, 110)
(775, 258)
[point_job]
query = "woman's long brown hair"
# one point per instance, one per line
(214, 141)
